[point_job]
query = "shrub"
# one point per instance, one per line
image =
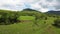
(8, 18)
(57, 23)
(45, 18)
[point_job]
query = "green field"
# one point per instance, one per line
(26, 18)
(30, 27)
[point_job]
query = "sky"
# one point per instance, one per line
(39, 5)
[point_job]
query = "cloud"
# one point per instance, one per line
(46, 5)
(12, 4)
(40, 5)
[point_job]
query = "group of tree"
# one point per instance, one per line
(8, 17)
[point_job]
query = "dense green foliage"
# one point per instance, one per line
(57, 23)
(8, 17)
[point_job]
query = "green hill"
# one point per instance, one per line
(10, 22)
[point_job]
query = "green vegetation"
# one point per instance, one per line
(26, 18)
(38, 23)
(57, 23)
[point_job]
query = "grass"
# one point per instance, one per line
(26, 18)
(30, 27)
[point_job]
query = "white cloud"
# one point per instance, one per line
(40, 5)
(44, 5)
(11, 4)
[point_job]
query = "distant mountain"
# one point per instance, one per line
(28, 9)
(54, 12)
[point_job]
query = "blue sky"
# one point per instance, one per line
(40, 5)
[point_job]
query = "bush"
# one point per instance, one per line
(8, 18)
(57, 23)
(45, 18)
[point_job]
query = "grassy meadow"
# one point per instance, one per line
(30, 27)
(42, 26)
